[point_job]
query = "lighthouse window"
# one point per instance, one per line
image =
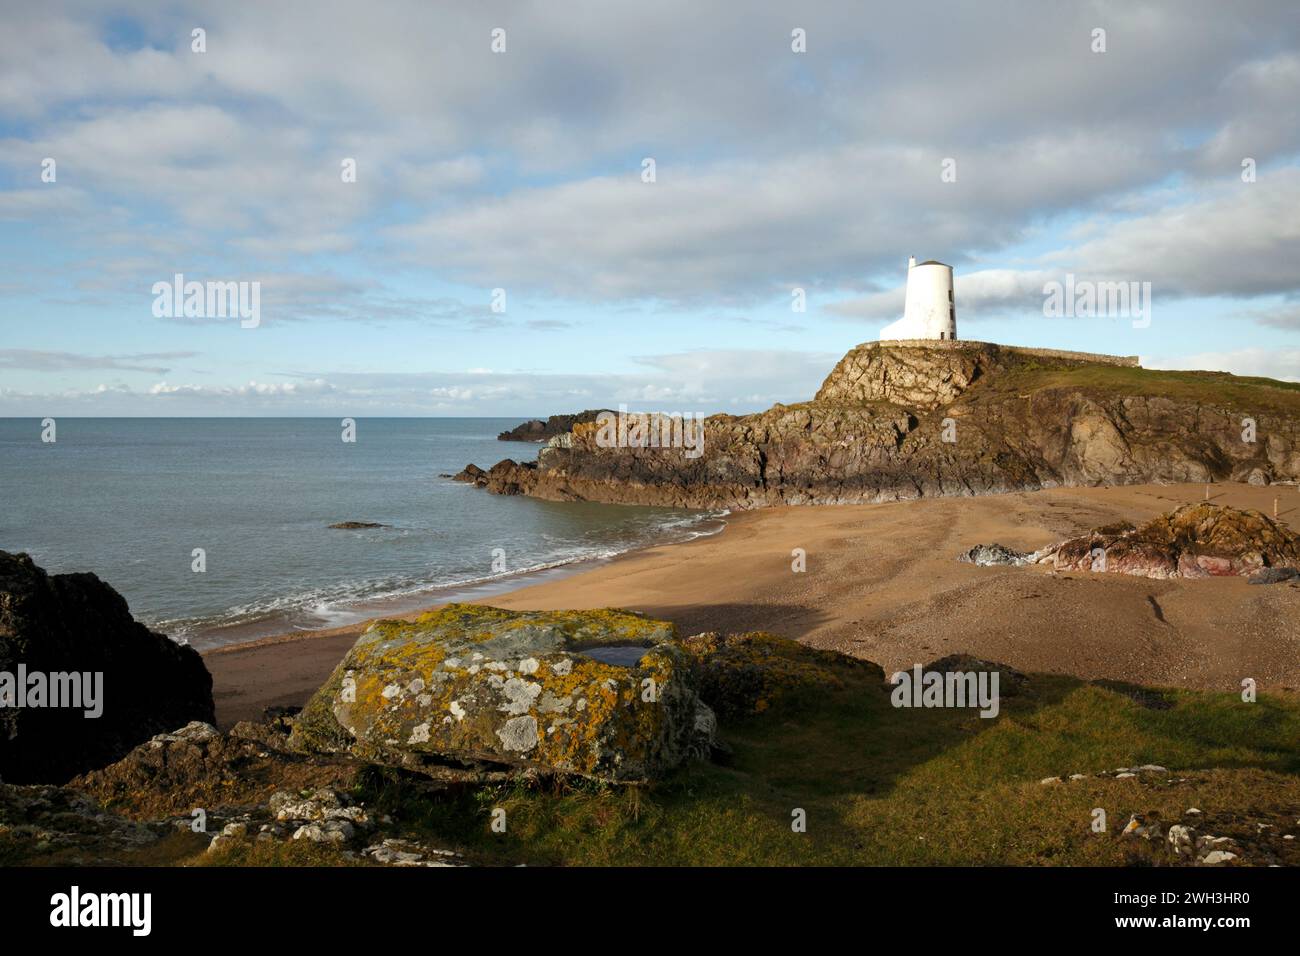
(950, 295)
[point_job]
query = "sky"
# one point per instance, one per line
(503, 249)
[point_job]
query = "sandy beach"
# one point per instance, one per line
(883, 583)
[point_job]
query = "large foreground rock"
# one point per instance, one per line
(66, 623)
(1195, 541)
(479, 685)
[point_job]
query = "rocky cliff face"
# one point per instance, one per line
(907, 421)
(58, 631)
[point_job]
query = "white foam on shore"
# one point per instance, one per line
(354, 601)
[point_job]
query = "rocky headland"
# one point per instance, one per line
(538, 430)
(908, 420)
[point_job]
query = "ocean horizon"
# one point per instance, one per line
(131, 499)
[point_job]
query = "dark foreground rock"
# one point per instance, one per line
(602, 694)
(901, 421)
(539, 430)
(75, 624)
(355, 525)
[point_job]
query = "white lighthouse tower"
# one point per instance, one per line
(929, 311)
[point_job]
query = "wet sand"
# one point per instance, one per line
(883, 583)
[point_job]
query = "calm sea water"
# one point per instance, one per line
(130, 499)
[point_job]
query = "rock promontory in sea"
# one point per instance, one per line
(901, 420)
(70, 636)
(537, 429)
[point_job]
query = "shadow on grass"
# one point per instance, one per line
(785, 620)
(873, 782)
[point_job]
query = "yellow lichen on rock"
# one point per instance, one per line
(477, 684)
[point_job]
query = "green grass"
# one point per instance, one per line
(882, 786)
(1213, 388)
(879, 786)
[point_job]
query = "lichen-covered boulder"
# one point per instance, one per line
(605, 694)
(742, 675)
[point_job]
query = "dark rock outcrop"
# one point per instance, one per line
(538, 430)
(67, 624)
(473, 475)
(357, 525)
(907, 421)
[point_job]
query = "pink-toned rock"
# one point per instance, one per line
(1195, 541)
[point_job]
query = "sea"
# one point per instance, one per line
(144, 502)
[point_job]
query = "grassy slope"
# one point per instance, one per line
(1209, 388)
(893, 786)
(1029, 375)
(880, 786)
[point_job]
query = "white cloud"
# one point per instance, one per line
(807, 181)
(1283, 364)
(705, 381)
(46, 361)
(1234, 240)
(521, 170)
